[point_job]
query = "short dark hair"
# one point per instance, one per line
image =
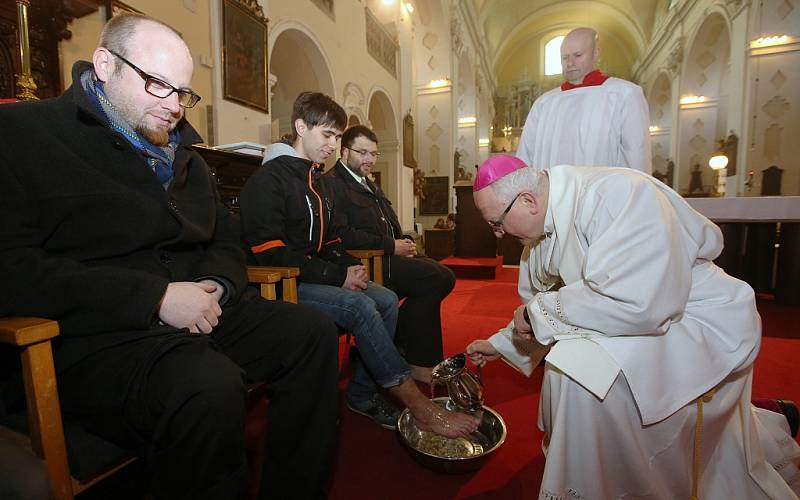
(316, 108)
(351, 134)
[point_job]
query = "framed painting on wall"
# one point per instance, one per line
(435, 201)
(114, 7)
(244, 53)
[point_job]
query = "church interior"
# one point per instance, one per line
(446, 84)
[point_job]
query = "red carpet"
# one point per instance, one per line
(372, 463)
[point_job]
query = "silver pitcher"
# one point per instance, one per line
(464, 388)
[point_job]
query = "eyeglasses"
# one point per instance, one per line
(159, 88)
(497, 225)
(364, 152)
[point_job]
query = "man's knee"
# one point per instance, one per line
(318, 329)
(441, 280)
(383, 297)
(199, 379)
(447, 280)
(370, 301)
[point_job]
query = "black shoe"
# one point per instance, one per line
(789, 410)
(378, 409)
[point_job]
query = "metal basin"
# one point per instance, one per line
(453, 456)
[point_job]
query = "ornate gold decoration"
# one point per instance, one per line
(255, 8)
(25, 84)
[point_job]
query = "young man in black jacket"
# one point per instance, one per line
(288, 219)
(370, 222)
(110, 223)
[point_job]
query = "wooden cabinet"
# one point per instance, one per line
(231, 170)
(511, 250)
(473, 237)
(439, 243)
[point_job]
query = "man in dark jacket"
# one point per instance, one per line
(370, 222)
(111, 224)
(288, 219)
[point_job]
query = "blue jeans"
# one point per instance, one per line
(371, 315)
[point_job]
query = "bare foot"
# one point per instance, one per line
(434, 418)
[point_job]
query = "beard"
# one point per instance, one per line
(157, 136)
(357, 169)
(136, 117)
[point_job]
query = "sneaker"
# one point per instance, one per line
(378, 409)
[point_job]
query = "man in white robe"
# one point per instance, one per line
(591, 119)
(648, 346)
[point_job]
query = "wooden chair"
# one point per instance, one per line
(75, 459)
(372, 260)
(287, 278)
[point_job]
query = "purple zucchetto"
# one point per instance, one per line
(494, 169)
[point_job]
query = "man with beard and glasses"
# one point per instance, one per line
(370, 222)
(289, 219)
(111, 225)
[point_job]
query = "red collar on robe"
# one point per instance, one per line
(593, 78)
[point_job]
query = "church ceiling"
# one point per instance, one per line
(624, 26)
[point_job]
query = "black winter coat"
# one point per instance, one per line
(367, 218)
(288, 219)
(371, 221)
(89, 237)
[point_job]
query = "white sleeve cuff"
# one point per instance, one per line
(515, 353)
(550, 322)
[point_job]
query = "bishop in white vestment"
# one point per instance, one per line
(643, 334)
(591, 119)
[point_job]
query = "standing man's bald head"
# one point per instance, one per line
(579, 54)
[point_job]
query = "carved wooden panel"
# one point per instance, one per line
(7, 66)
(231, 170)
(48, 21)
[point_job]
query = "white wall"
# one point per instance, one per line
(758, 96)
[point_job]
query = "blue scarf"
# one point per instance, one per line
(159, 158)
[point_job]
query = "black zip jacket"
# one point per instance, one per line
(371, 221)
(287, 217)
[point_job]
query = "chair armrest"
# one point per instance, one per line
(374, 256)
(285, 272)
(32, 336)
(365, 254)
(23, 331)
(257, 274)
(268, 276)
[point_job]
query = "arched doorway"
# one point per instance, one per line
(298, 64)
(704, 103)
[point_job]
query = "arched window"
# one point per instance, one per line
(552, 56)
